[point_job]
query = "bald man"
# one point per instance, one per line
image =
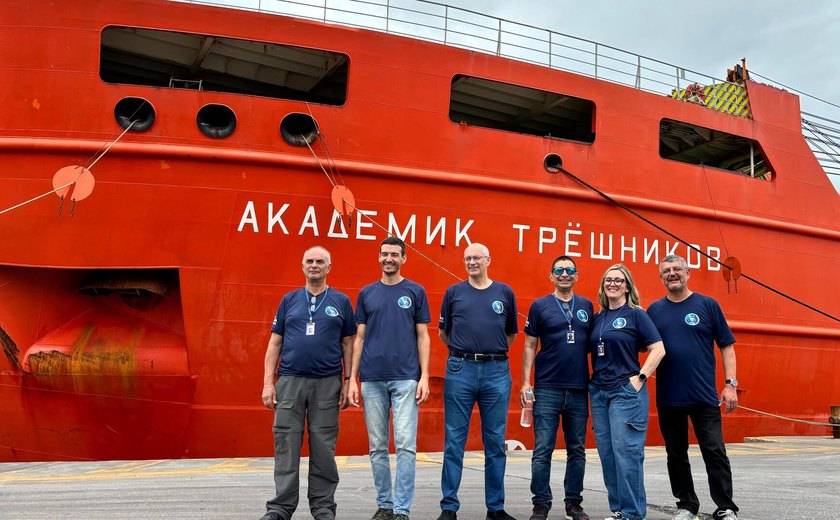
(477, 324)
(314, 329)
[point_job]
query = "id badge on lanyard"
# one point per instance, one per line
(310, 328)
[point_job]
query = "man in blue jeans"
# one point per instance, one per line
(560, 324)
(477, 324)
(391, 353)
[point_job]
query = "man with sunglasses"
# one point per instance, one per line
(391, 354)
(477, 324)
(560, 324)
(313, 329)
(690, 324)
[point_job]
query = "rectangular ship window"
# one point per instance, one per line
(204, 62)
(694, 144)
(513, 108)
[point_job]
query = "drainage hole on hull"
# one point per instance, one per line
(552, 163)
(134, 109)
(299, 129)
(216, 121)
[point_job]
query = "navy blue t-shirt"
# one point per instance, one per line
(559, 364)
(625, 332)
(318, 355)
(690, 328)
(391, 314)
(479, 320)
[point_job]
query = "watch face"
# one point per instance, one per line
(732, 382)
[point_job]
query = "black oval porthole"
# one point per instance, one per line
(299, 129)
(138, 110)
(553, 163)
(216, 120)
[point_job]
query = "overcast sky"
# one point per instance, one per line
(793, 43)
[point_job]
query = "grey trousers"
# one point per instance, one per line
(314, 402)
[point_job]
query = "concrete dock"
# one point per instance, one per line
(778, 477)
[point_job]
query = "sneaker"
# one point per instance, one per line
(726, 514)
(540, 512)
(615, 515)
(498, 515)
(400, 516)
(383, 514)
(446, 514)
(575, 512)
(684, 514)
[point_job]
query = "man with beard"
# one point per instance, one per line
(391, 354)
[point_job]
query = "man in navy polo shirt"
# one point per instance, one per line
(690, 324)
(560, 324)
(478, 324)
(391, 353)
(313, 329)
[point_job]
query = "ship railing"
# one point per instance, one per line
(823, 136)
(457, 27)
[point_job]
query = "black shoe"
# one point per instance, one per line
(446, 514)
(575, 512)
(383, 514)
(272, 515)
(540, 512)
(498, 515)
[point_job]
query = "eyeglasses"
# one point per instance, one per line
(468, 259)
(557, 271)
(312, 303)
(675, 270)
(613, 281)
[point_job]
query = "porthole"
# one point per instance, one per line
(138, 110)
(299, 129)
(216, 121)
(553, 163)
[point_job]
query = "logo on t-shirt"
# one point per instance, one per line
(692, 319)
(582, 316)
(619, 323)
(498, 307)
(331, 311)
(404, 302)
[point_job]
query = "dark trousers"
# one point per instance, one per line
(310, 402)
(673, 422)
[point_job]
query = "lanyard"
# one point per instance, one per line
(570, 316)
(309, 305)
(606, 320)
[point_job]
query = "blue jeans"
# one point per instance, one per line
(380, 397)
(467, 383)
(620, 419)
(550, 405)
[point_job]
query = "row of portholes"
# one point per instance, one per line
(214, 120)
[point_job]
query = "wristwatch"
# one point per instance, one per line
(642, 377)
(732, 382)
(347, 378)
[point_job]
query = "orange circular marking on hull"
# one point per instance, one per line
(343, 200)
(81, 177)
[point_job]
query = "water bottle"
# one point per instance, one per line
(527, 417)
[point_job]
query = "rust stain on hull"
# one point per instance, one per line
(10, 349)
(87, 357)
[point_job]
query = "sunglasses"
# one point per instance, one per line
(557, 271)
(312, 303)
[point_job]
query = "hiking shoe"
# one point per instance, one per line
(540, 512)
(726, 514)
(684, 514)
(615, 516)
(400, 516)
(446, 514)
(383, 514)
(272, 515)
(498, 515)
(575, 512)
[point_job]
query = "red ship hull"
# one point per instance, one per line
(93, 376)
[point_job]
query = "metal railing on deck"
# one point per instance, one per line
(467, 29)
